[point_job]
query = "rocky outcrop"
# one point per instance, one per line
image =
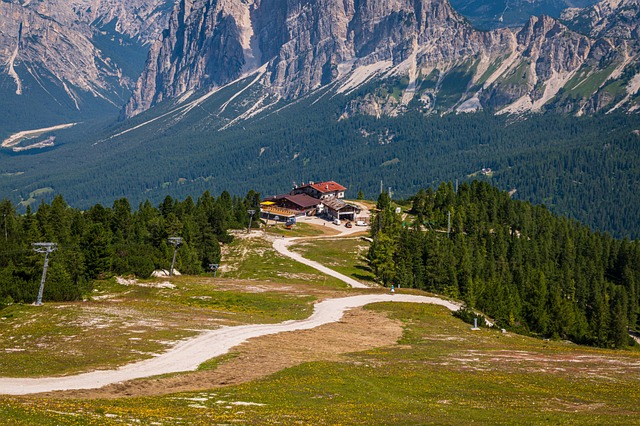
(616, 19)
(202, 46)
(64, 43)
(424, 44)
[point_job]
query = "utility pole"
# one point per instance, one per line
(214, 268)
(45, 248)
(381, 187)
(175, 242)
(251, 213)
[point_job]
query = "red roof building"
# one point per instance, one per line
(310, 199)
(321, 190)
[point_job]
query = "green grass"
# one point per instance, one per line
(585, 83)
(493, 67)
(256, 259)
(300, 229)
(214, 363)
(616, 88)
(518, 75)
(440, 373)
(62, 339)
(454, 84)
(134, 323)
(262, 307)
(430, 81)
(345, 255)
(33, 196)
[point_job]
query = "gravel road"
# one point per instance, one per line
(188, 354)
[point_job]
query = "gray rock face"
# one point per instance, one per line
(305, 45)
(202, 46)
(54, 42)
(609, 18)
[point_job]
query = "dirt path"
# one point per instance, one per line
(358, 330)
(189, 354)
(282, 247)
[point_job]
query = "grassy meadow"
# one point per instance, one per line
(438, 372)
(345, 255)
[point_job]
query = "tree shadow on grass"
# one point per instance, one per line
(363, 277)
(367, 276)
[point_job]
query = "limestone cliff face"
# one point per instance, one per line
(304, 45)
(202, 46)
(608, 18)
(63, 42)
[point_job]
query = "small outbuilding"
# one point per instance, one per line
(340, 210)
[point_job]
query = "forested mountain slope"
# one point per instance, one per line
(516, 262)
(489, 14)
(266, 128)
(584, 167)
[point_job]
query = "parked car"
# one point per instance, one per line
(336, 222)
(361, 223)
(348, 225)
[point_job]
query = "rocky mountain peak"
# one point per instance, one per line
(305, 45)
(77, 54)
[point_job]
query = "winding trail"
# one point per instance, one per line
(282, 247)
(189, 354)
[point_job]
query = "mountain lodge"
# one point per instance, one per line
(322, 198)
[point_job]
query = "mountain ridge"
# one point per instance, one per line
(540, 66)
(71, 60)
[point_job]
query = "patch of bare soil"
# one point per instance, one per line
(573, 364)
(358, 330)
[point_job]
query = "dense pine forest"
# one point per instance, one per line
(585, 168)
(531, 271)
(102, 241)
